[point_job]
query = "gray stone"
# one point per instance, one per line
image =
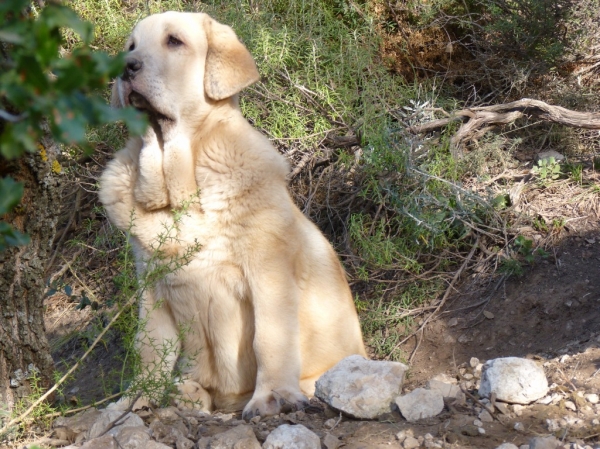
(485, 416)
(240, 437)
(361, 388)
(75, 428)
(410, 443)
(288, 436)
(507, 446)
(420, 404)
(448, 391)
(170, 435)
(133, 437)
(544, 443)
(513, 380)
(110, 416)
(331, 441)
(546, 155)
(104, 442)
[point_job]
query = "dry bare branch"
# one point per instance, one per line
(477, 119)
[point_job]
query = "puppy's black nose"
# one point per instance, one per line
(132, 66)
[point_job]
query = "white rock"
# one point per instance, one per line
(592, 398)
(478, 423)
(548, 154)
(361, 388)
(571, 406)
(474, 362)
(420, 404)
(507, 446)
(519, 427)
(411, 443)
(108, 417)
(514, 380)
(481, 430)
(448, 390)
(544, 443)
(288, 436)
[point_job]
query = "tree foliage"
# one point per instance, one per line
(39, 84)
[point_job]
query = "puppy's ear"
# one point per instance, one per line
(116, 95)
(229, 65)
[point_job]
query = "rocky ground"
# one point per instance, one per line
(551, 316)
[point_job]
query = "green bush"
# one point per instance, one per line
(38, 85)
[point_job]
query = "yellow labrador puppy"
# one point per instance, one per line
(264, 301)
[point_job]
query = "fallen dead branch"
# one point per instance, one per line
(478, 120)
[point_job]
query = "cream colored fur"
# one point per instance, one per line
(265, 300)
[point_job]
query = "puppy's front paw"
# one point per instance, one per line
(192, 395)
(150, 199)
(282, 400)
(125, 403)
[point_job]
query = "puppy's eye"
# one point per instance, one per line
(174, 42)
(132, 47)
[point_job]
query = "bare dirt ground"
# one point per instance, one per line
(550, 314)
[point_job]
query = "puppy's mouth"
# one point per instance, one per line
(142, 104)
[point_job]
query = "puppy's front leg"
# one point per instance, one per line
(275, 299)
(150, 188)
(179, 169)
(159, 344)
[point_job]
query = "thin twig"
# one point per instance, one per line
(86, 407)
(123, 415)
(414, 352)
(485, 406)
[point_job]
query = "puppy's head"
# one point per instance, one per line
(177, 63)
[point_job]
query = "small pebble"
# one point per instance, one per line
(519, 427)
(410, 443)
(518, 409)
(592, 398)
(477, 423)
(330, 423)
(570, 405)
(481, 430)
(485, 416)
(474, 362)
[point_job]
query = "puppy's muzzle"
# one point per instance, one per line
(132, 68)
